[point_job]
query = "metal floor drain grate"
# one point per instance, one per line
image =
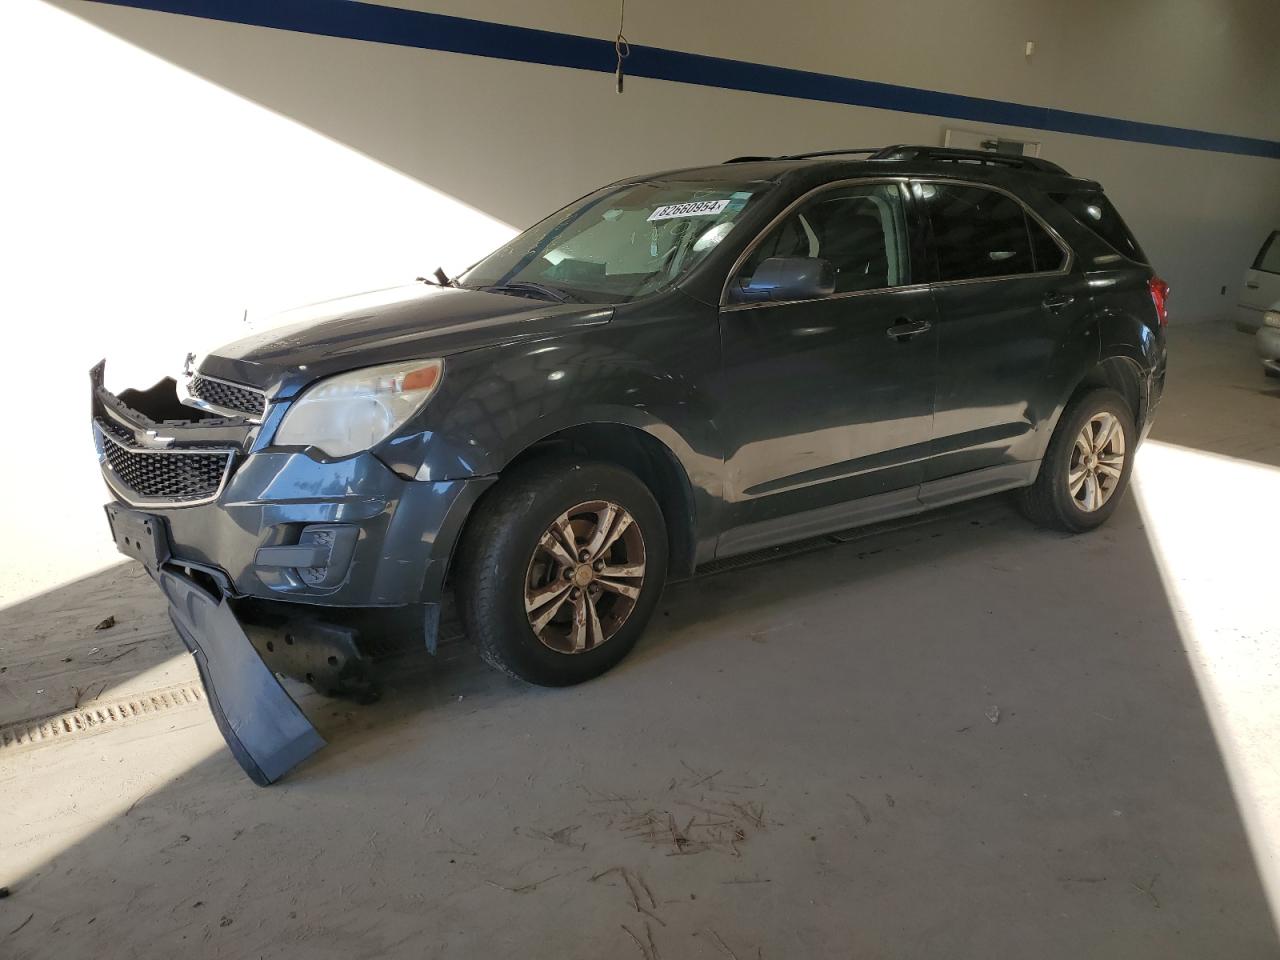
(73, 723)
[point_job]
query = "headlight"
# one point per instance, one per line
(1271, 318)
(353, 411)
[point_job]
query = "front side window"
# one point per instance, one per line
(619, 243)
(981, 233)
(860, 230)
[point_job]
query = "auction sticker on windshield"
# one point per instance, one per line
(698, 208)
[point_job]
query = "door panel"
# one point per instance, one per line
(1003, 358)
(821, 404)
(828, 400)
(1007, 304)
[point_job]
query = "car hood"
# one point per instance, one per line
(383, 326)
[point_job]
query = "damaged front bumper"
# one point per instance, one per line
(267, 732)
(273, 560)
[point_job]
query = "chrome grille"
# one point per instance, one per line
(143, 475)
(228, 396)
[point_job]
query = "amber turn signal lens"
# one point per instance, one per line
(424, 378)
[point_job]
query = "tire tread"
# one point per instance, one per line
(1042, 503)
(499, 517)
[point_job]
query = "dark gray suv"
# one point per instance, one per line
(673, 369)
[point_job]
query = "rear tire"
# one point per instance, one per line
(536, 608)
(1084, 473)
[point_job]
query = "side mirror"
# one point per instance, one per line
(788, 278)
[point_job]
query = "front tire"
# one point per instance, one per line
(561, 569)
(1086, 467)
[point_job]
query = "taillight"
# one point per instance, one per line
(1160, 297)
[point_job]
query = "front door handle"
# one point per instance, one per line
(1252, 285)
(905, 329)
(1056, 301)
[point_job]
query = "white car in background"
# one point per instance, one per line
(1268, 340)
(1261, 285)
(1259, 306)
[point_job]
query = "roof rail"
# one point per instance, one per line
(870, 151)
(809, 156)
(904, 151)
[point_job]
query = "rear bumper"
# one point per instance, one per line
(1154, 393)
(1248, 319)
(1267, 343)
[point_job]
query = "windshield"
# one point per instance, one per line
(619, 243)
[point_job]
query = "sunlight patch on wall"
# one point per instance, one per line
(149, 213)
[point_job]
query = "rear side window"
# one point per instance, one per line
(1095, 211)
(1049, 256)
(1268, 259)
(978, 232)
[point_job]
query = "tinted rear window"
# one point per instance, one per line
(1095, 211)
(976, 232)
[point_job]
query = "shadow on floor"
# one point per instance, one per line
(85, 640)
(833, 710)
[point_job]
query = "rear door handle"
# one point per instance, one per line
(905, 329)
(1056, 301)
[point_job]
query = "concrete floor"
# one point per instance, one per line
(800, 759)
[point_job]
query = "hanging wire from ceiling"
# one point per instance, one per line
(620, 45)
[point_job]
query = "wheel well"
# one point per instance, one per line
(646, 457)
(1122, 375)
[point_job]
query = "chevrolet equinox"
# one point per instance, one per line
(674, 369)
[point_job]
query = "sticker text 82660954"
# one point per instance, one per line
(697, 208)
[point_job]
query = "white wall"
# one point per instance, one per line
(164, 175)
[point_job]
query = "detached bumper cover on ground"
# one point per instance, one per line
(266, 731)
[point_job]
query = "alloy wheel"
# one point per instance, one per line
(584, 577)
(1097, 462)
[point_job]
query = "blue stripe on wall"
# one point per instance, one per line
(433, 31)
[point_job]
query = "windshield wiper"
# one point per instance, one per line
(529, 286)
